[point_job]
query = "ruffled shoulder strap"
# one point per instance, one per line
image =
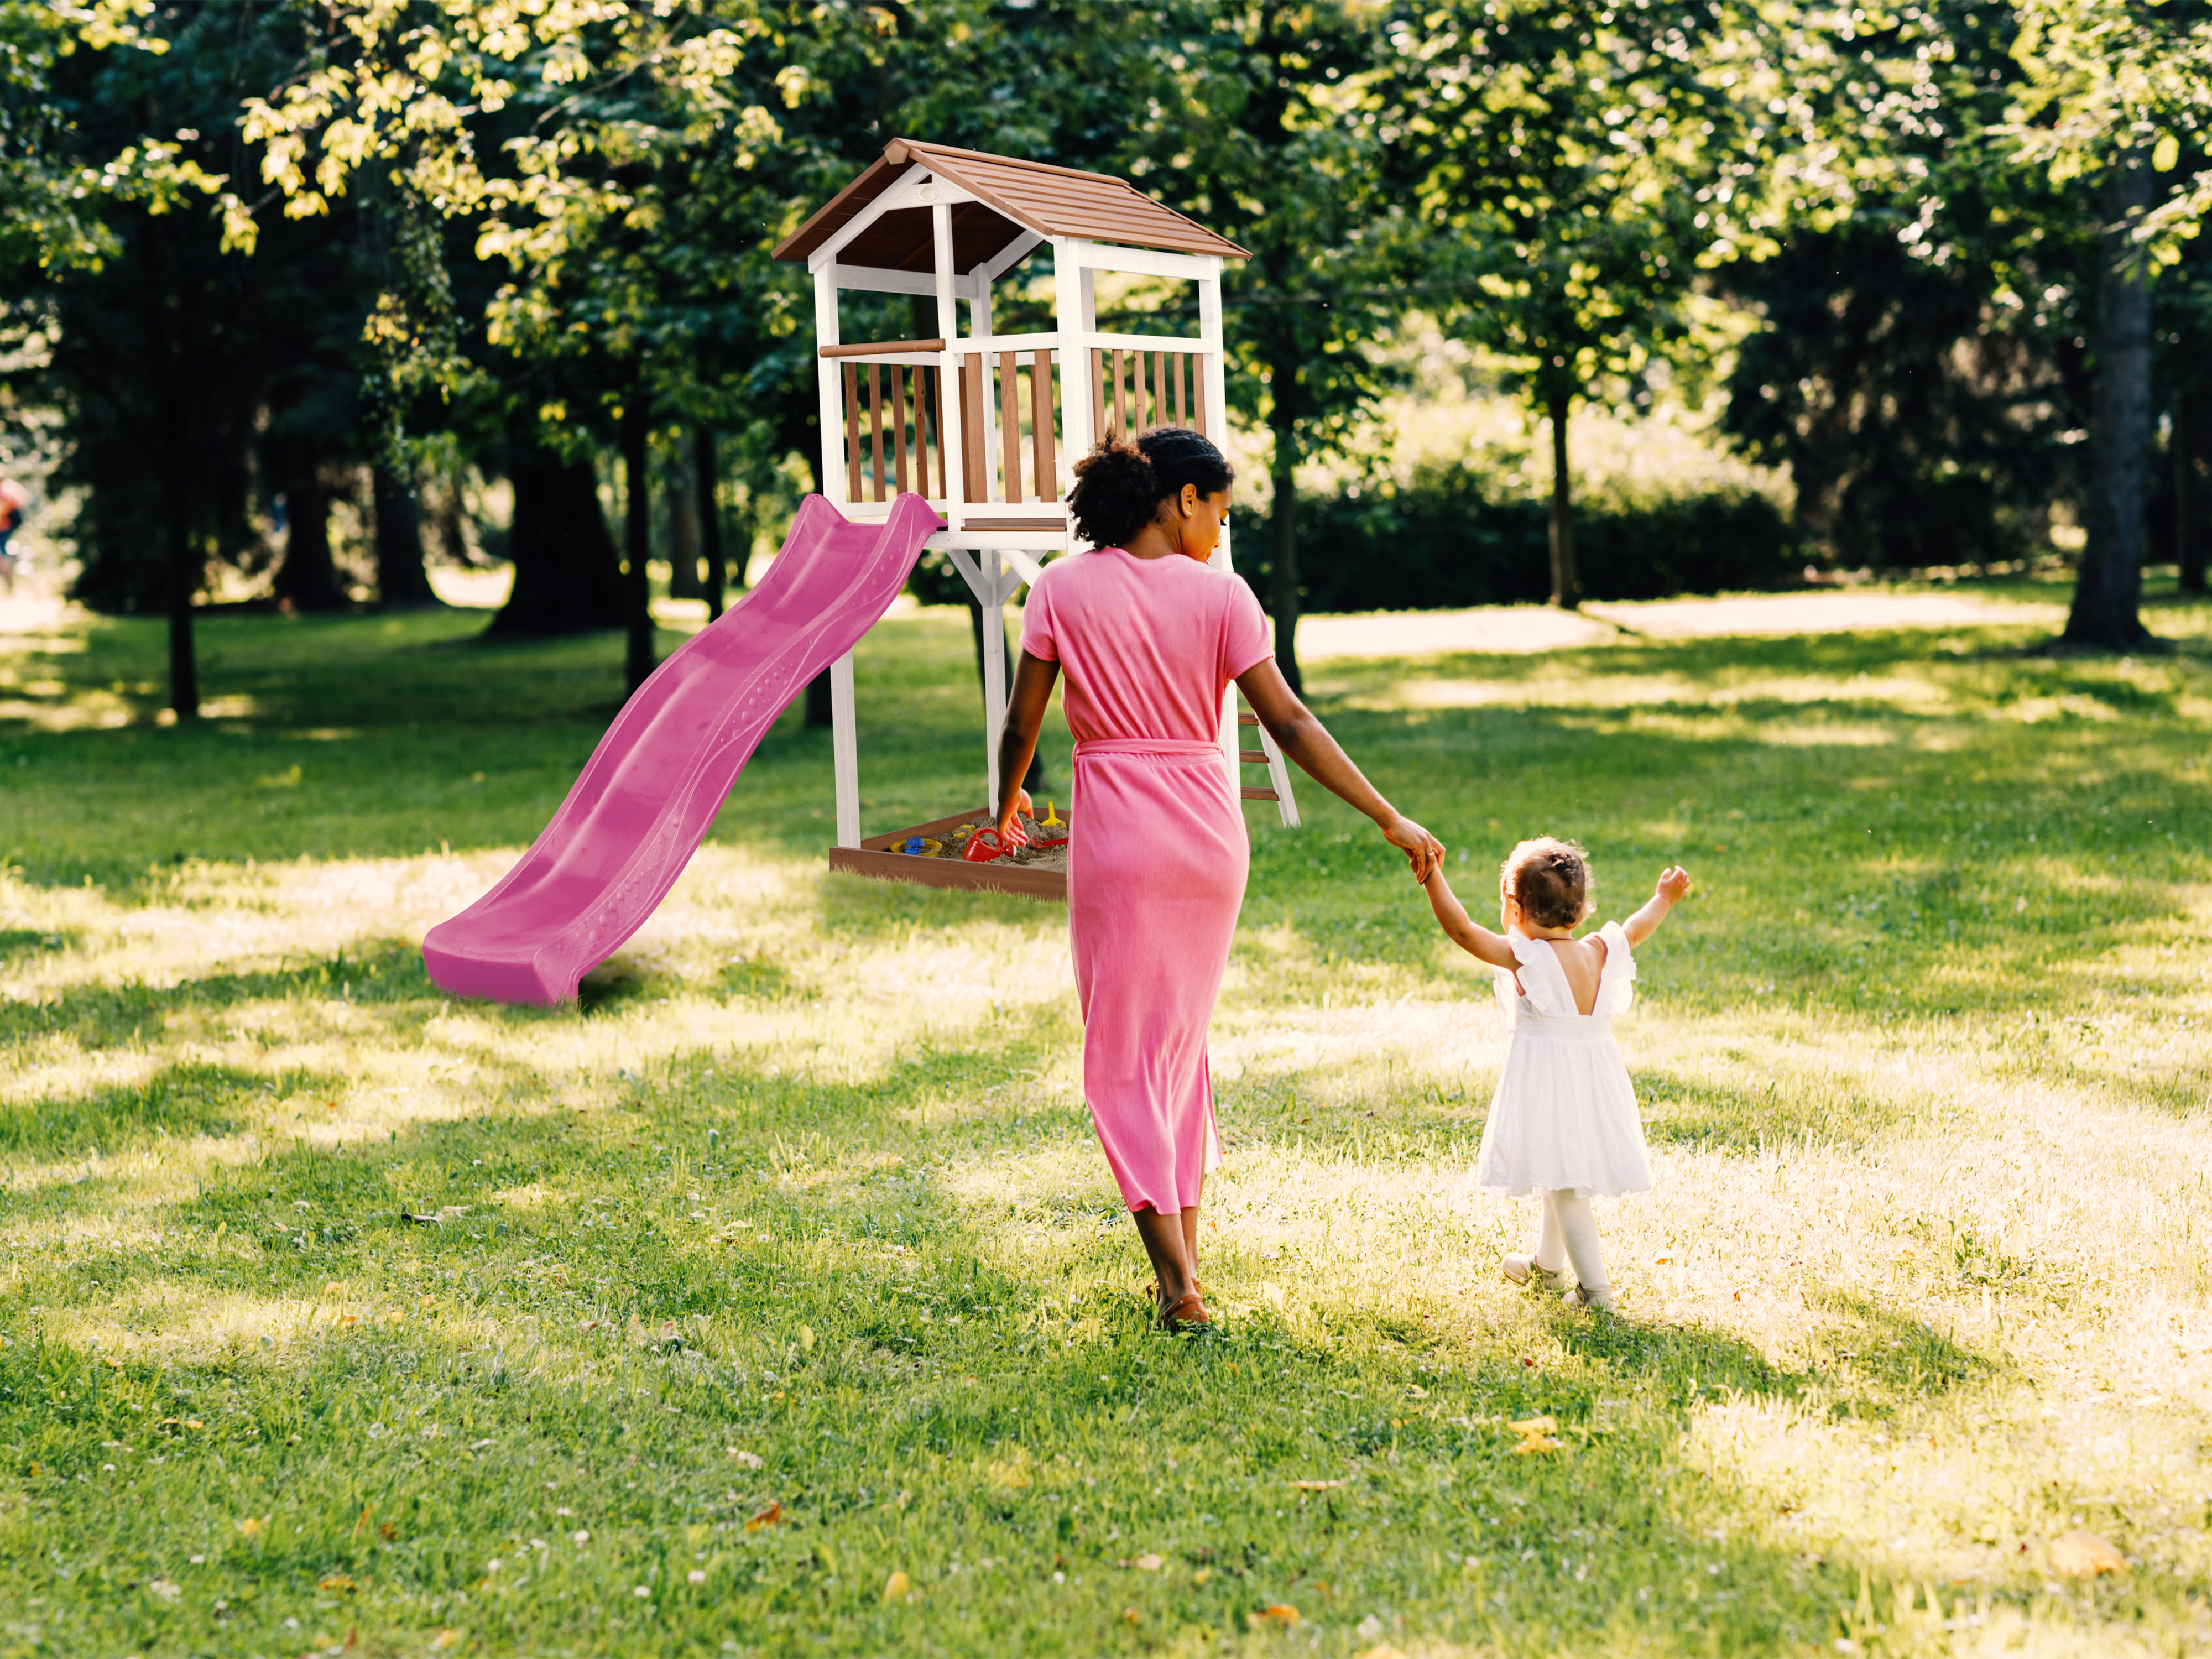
(1543, 981)
(1616, 985)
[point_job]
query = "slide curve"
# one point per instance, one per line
(660, 774)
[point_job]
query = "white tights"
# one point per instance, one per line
(1570, 1231)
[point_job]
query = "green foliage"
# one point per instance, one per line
(1450, 535)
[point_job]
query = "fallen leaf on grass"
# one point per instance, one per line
(1143, 1563)
(1315, 1486)
(252, 1525)
(337, 1581)
(1280, 1614)
(767, 1517)
(168, 1589)
(750, 1459)
(896, 1586)
(2084, 1555)
(444, 1639)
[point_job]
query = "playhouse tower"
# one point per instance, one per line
(994, 460)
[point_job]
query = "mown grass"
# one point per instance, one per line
(685, 1321)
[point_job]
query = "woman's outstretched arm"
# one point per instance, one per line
(1017, 738)
(1307, 741)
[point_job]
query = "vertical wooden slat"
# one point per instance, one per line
(1198, 394)
(1010, 423)
(1175, 375)
(974, 463)
(1040, 453)
(1098, 427)
(898, 423)
(921, 430)
(936, 425)
(1160, 361)
(876, 420)
(852, 432)
(1121, 393)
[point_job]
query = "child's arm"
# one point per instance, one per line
(1674, 882)
(1469, 934)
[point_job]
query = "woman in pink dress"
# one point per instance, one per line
(1149, 638)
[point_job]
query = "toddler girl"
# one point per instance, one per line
(1563, 1123)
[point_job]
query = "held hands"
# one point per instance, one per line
(1673, 883)
(1423, 851)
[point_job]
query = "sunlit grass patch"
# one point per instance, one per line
(786, 1270)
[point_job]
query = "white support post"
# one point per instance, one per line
(948, 432)
(979, 328)
(1217, 422)
(827, 375)
(995, 673)
(845, 750)
(1071, 287)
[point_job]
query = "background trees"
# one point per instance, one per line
(1943, 254)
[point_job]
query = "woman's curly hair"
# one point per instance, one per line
(1120, 483)
(1550, 879)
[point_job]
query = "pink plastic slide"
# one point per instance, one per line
(658, 777)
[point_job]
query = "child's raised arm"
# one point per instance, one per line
(1674, 882)
(1471, 936)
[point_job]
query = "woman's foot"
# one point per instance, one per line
(1187, 1313)
(1523, 1268)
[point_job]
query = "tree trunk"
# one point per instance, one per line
(1566, 588)
(400, 578)
(683, 496)
(567, 578)
(2189, 502)
(637, 539)
(2108, 592)
(308, 580)
(1283, 518)
(706, 473)
(184, 575)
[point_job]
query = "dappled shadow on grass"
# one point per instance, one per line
(1699, 1115)
(189, 1098)
(95, 1015)
(859, 907)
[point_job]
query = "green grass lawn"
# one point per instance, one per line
(777, 1301)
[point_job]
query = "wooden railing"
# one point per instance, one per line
(1121, 402)
(991, 449)
(913, 414)
(1010, 442)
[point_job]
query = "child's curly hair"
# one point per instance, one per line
(1120, 483)
(1550, 879)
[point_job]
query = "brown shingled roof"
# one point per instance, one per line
(1011, 196)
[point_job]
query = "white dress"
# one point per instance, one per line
(1564, 1113)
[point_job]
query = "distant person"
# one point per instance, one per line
(1150, 639)
(1562, 1124)
(14, 501)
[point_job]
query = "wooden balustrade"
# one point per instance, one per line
(915, 411)
(1119, 400)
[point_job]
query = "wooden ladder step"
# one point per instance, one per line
(1253, 756)
(1248, 720)
(1258, 795)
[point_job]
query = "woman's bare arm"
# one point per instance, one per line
(1017, 739)
(1470, 935)
(1307, 741)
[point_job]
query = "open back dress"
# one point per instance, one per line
(1565, 1114)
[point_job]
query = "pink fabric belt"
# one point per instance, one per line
(1167, 747)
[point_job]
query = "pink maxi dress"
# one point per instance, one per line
(1158, 856)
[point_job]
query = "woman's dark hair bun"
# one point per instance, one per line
(1120, 483)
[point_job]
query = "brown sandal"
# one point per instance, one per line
(1188, 1313)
